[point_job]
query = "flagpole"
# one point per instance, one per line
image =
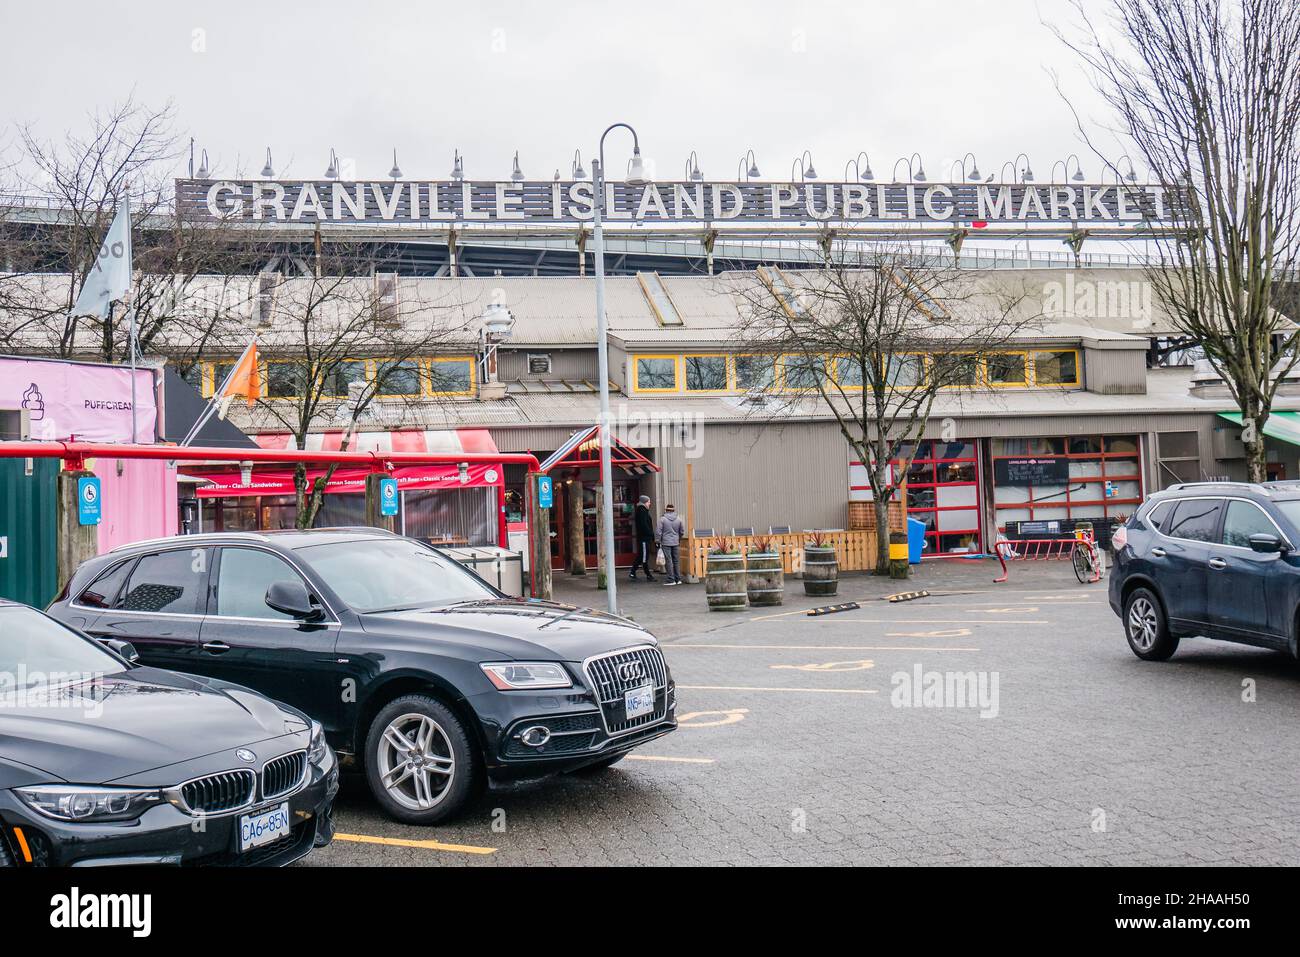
(216, 397)
(130, 308)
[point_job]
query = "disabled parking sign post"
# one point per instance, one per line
(388, 497)
(545, 492)
(89, 505)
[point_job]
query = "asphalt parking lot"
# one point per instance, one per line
(796, 746)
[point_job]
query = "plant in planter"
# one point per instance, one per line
(724, 579)
(821, 569)
(764, 576)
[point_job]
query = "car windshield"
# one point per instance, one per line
(36, 650)
(392, 574)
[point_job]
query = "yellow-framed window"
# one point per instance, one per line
(655, 373)
(452, 375)
(284, 378)
(398, 378)
(753, 372)
(957, 370)
(706, 372)
(847, 371)
(905, 370)
(1055, 367)
(801, 373)
(342, 374)
(214, 373)
(1007, 370)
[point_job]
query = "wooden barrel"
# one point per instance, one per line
(724, 582)
(764, 578)
(821, 571)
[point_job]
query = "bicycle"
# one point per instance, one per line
(1085, 557)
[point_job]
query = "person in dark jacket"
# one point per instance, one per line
(645, 539)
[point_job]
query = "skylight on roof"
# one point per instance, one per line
(785, 293)
(665, 310)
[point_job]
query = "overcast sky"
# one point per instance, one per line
(493, 76)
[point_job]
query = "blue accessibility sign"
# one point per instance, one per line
(545, 492)
(90, 508)
(388, 496)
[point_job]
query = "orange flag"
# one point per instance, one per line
(245, 380)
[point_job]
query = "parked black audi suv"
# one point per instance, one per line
(1214, 559)
(103, 761)
(423, 674)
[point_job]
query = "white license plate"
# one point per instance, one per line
(639, 701)
(258, 829)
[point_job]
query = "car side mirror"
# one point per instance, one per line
(291, 598)
(123, 649)
(1268, 544)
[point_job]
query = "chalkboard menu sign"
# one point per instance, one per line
(1037, 470)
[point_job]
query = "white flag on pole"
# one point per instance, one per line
(110, 277)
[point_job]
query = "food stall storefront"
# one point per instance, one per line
(444, 503)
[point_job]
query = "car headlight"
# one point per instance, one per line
(317, 750)
(520, 675)
(84, 803)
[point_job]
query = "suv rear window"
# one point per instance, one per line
(1157, 516)
(1195, 519)
(101, 592)
(167, 582)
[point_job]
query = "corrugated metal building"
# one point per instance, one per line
(1079, 428)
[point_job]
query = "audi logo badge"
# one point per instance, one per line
(631, 671)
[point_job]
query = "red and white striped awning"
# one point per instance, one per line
(398, 440)
(426, 476)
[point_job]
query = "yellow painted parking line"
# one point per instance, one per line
(782, 614)
(751, 688)
(828, 647)
(944, 621)
(660, 757)
(421, 845)
(1000, 604)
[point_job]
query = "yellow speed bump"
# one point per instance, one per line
(421, 845)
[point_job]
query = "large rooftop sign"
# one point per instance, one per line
(431, 203)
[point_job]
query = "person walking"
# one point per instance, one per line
(645, 539)
(671, 532)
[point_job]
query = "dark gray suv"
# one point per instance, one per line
(1214, 559)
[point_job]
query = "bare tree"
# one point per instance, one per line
(126, 151)
(337, 342)
(875, 336)
(190, 289)
(1208, 94)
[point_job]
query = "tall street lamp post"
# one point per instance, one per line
(635, 176)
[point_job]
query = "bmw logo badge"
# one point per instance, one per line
(246, 755)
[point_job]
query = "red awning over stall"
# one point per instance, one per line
(436, 475)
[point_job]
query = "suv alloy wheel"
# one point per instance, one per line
(419, 763)
(1145, 627)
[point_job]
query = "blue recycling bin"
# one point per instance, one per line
(915, 540)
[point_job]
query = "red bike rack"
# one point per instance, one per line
(1037, 550)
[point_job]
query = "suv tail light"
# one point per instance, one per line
(1119, 537)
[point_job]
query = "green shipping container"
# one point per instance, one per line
(28, 516)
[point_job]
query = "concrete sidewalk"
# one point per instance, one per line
(681, 610)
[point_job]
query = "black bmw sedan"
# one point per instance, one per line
(425, 676)
(103, 761)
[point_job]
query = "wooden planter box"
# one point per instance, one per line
(854, 550)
